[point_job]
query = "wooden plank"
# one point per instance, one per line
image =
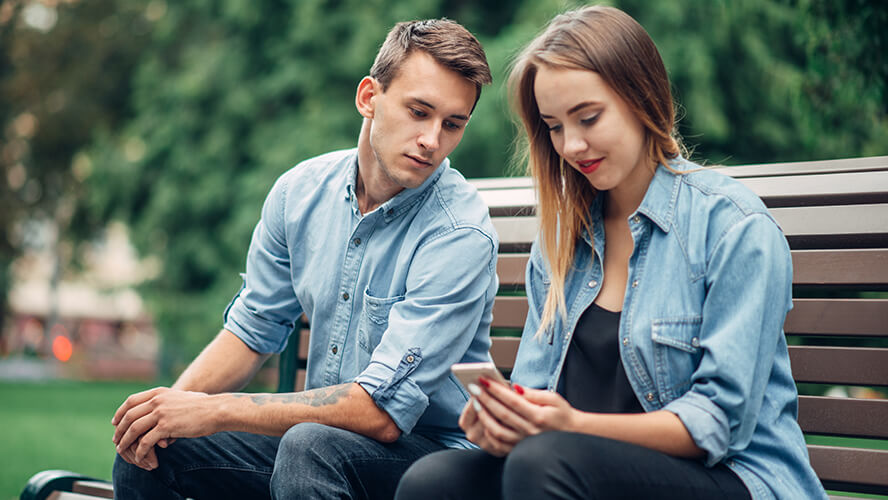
(839, 365)
(851, 417)
(807, 167)
(70, 495)
(509, 312)
(817, 190)
(848, 317)
(300, 380)
(804, 227)
(850, 469)
(510, 268)
(845, 226)
(840, 267)
(503, 351)
(101, 489)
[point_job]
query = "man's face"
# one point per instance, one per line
(419, 119)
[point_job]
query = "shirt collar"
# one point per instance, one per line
(662, 195)
(402, 201)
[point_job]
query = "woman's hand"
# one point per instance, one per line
(497, 417)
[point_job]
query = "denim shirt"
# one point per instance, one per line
(701, 332)
(394, 297)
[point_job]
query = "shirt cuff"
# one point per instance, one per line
(393, 392)
(245, 325)
(706, 423)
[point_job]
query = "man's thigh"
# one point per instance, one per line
(318, 461)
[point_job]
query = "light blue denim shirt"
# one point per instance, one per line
(701, 333)
(394, 297)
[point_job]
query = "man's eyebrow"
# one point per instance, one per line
(430, 106)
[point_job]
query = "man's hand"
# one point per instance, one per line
(158, 416)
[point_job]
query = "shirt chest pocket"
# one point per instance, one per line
(677, 353)
(374, 319)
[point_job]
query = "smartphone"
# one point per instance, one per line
(468, 373)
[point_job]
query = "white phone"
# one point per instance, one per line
(469, 373)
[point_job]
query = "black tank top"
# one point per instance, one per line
(593, 378)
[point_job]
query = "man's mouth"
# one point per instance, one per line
(589, 166)
(419, 161)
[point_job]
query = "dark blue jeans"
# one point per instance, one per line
(563, 465)
(309, 461)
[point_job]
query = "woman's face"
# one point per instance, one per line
(591, 127)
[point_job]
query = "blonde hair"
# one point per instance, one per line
(609, 42)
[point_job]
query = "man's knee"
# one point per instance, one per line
(309, 456)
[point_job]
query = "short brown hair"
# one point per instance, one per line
(448, 42)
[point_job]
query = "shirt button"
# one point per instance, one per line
(635, 284)
(649, 396)
(593, 284)
(334, 350)
(695, 342)
(625, 340)
(390, 211)
(636, 219)
(357, 241)
(345, 296)
(410, 358)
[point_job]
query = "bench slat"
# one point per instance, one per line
(864, 418)
(101, 489)
(839, 365)
(831, 226)
(852, 317)
(503, 350)
(851, 469)
(855, 267)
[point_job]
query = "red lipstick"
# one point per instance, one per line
(589, 166)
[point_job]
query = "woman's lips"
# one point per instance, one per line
(589, 166)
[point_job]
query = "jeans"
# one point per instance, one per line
(567, 465)
(309, 461)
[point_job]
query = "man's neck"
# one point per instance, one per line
(372, 186)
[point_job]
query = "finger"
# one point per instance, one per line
(547, 398)
(134, 414)
(145, 444)
(163, 443)
(526, 410)
(468, 416)
(136, 429)
(493, 427)
(129, 456)
(495, 447)
(504, 413)
(134, 400)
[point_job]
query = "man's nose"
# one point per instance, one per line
(429, 138)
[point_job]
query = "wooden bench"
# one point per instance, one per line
(835, 217)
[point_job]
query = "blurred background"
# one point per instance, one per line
(138, 139)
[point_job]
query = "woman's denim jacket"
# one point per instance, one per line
(701, 332)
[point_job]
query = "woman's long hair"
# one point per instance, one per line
(609, 42)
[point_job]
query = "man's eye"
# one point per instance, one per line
(452, 126)
(418, 113)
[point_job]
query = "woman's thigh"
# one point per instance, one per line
(570, 465)
(452, 474)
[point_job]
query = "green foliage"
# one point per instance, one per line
(221, 97)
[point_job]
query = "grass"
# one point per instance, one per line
(57, 425)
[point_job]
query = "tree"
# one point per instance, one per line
(64, 72)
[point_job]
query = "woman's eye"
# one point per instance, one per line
(590, 120)
(554, 128)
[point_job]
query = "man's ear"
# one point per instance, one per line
(364, 98)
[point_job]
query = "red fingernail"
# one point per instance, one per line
(519, 389)
(484, 382)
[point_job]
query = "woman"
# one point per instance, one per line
(653, 352)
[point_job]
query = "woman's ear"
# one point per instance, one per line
(364, 98)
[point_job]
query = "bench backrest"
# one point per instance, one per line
(835, 216)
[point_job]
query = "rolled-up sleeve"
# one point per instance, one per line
(450, 288)
(749, 289)
(263, 312)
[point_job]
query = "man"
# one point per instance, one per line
(392, 256)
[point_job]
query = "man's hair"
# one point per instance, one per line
(450, 44)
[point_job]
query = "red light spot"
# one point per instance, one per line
(62, 348)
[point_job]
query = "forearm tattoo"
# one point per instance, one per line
(315, 397)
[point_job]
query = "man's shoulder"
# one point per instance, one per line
(457, 202)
